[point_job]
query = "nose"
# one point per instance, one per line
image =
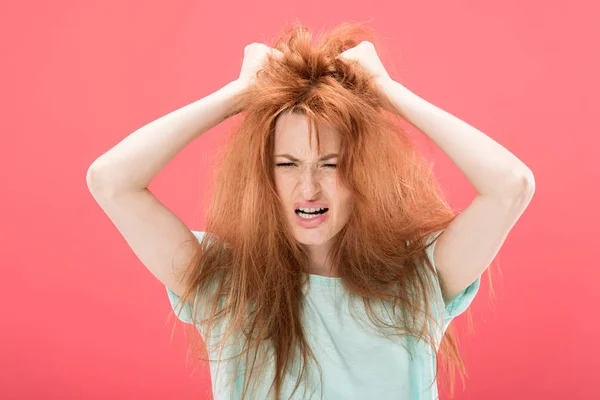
(309, 180)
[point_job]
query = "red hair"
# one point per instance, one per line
(250, 269)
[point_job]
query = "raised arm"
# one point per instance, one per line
(118, 181)
(137, 159)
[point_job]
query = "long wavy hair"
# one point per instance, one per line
(249, 267)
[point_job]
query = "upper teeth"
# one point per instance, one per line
(310, 209)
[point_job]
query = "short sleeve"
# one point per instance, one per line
(460, 303)
(186, 314)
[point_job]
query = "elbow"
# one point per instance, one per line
(96, 179)
(105, 183)
(527, 182)
(91, 177)
(524, 186)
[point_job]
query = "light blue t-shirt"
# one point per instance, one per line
(356, 363)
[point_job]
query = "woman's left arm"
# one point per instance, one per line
(504, 183)
(491, 168)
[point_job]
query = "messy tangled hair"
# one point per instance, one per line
(249, 268)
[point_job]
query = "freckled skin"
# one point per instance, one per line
(295, 183)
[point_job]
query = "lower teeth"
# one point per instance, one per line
(308, 216)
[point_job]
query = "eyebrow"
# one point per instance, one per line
(325, 157)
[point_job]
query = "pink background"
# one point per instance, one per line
(83, 318)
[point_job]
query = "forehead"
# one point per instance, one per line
(291, 135)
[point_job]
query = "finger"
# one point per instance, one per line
(276, 53)
(346, 55)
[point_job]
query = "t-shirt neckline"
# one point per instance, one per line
(320, 280)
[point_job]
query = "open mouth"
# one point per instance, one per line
(308, 214)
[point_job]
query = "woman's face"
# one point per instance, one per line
(304, 180)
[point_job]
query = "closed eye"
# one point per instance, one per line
(289, 164)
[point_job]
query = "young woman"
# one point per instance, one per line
(331, 265)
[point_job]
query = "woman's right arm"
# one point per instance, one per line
(137, 159)
(118, 181)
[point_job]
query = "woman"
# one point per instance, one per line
(331, 265)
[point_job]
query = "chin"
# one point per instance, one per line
(312, 236)
(311, 242)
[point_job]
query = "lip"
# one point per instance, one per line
(306, 204)
(313, 222)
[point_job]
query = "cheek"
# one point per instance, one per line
(283, 187)
(346, 204)
(279, 181)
